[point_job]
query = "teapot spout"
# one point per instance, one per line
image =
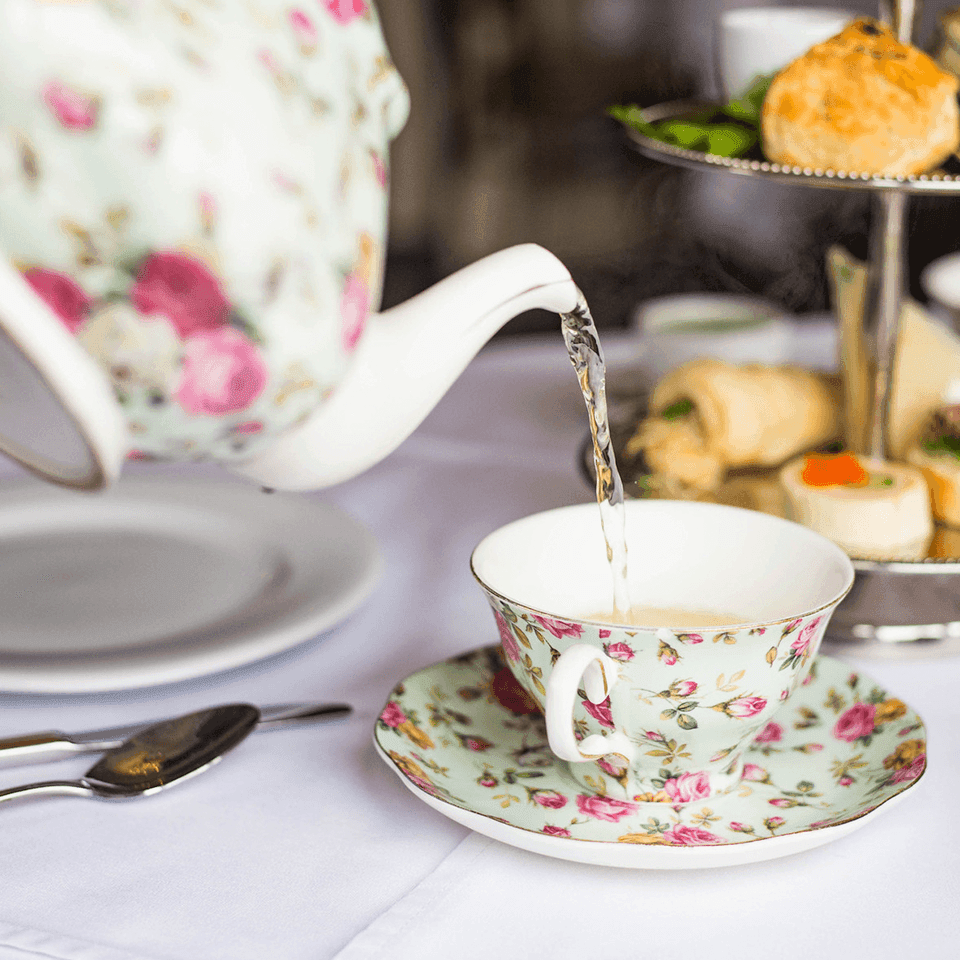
(406, 361)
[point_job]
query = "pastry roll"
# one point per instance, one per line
(873, 509)
(862, 102)
(708, 416)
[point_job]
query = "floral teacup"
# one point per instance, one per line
(660, 710)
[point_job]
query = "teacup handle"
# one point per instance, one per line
(599, 674)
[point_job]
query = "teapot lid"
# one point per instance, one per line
(58, 417)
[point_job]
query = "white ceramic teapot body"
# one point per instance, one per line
(193, 206)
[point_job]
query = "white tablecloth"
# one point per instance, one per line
(303, 845)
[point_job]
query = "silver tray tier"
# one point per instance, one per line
(927, 183)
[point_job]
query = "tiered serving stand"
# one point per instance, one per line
(896, 608)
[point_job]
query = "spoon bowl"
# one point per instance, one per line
(156, 757)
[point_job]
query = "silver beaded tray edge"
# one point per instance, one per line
(936, 182)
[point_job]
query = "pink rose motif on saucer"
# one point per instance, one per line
(549, 798)
(855, 723)
(687, 787)
(184, 290)
(683, 836)
(909, 771)
(73, 110)
(392, 715)
(604, 808)
(62, 294)
(222, 372)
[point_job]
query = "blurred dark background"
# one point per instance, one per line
(508, 142)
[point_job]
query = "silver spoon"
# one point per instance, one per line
(55, 745)
(155, 757)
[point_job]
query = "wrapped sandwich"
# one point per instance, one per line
(708, 416)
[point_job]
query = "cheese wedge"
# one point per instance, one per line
(927, 361)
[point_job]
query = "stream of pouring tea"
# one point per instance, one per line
(583, 345)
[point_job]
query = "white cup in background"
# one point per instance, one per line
(758, 41)
(940, 281)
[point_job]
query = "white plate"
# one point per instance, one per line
(163, 580)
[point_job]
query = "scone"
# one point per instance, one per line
(862, 102)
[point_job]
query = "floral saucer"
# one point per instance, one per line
(466, 739)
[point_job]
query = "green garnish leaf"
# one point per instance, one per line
(685, 133)
(747, 108)
(632, 116)
(729, 140)
(943, 445)
(710, 131)
(681, 408)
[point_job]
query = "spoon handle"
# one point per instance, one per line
(55, 745)
(49, 788)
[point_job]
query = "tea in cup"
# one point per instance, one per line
(729, 607)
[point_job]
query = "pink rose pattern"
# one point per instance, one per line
(515, 780)
(746, 707)
(392, 715)
(345, 11)
(688, 786)
(559, 628)
(684, 836)
(687, 699)
(771, 733)
(182, 289)
(62, 294)
(601, 713)
(216, 341)
(222, 370)
(72, 109)
(354, 309)
(507, 639)
(604, 808)
(855, 723)
(222, 373)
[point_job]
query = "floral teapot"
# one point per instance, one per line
(193, 213)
